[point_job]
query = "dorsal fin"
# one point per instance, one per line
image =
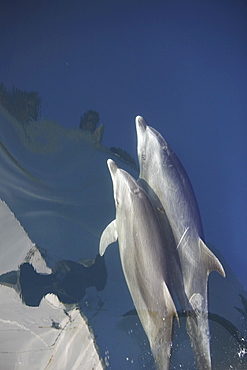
(210, 260)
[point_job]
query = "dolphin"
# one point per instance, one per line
(143, 259)
(168, 186)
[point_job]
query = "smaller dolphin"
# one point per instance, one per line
(143, 260)
(167, 184)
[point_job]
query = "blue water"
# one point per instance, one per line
(180, 65)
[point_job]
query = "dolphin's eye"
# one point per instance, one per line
(143, 156)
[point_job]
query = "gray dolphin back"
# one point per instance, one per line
(169, 188)
(143, 259)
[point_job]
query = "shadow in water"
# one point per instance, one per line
(68, 281)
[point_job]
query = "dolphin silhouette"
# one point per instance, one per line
(143, 259)
(168, 186)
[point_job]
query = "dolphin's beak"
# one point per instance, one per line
(140, 124)
(112, 167)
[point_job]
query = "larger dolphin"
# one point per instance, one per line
(166, 182)
(143, 260)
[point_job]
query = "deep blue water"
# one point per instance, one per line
(181, 65)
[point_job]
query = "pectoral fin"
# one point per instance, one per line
(210, 260)
(108, 236)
